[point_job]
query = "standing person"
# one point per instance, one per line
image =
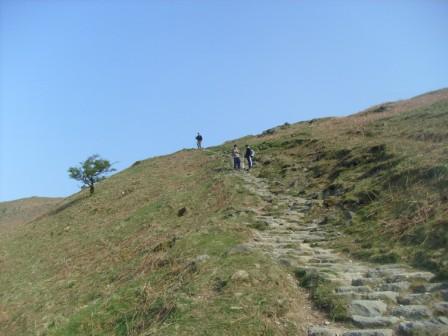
(236, 157)
(249, 155)
(199, 140)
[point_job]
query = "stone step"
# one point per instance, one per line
(434, 327)
(369, 332)
(323, 331)
(431, 287)
(353, 289)
(372, 292)
(410, 276)
(395, 286)
(368, 308)
(415, 299)
(384, 295)
(374, 321)
(441, 308)
(366, 281)
(412, 312)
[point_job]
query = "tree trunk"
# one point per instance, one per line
(92, 189)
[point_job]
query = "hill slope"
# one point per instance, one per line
(382, 176)
(129, 261)
(157, 250)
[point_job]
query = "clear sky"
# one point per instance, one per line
(132, 79)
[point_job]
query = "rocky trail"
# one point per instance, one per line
(382, 300)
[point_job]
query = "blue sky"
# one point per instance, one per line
(132, 79)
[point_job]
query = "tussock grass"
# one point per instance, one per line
(382, 176)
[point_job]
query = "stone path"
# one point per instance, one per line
(383, 300)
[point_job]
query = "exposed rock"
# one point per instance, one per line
(414, 312)
(414, 299)
(290, 238)
(384, 295)
(369, 308)
(201, 258)
(431, 287)
(353, 289)
(240, 275)
(400, 277)
(396, 286)
(374, 322)
(369, 332)
(364, 282)
(441, 307)
(444, 294)
(322, 331)
(428, 327)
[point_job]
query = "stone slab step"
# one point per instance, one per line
(368, 308)
(395, 286)
(441, 308)
(414, 299)
(323, 331)
(374, 322)
(433, 327)
(369, 332)
(353, 289)
(384, 295)
(412, 312)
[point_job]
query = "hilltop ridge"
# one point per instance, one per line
(25, 209)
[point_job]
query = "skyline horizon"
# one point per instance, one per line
(229, 140)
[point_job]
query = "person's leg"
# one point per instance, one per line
(239, 163)
(234, 163)
(249, 162)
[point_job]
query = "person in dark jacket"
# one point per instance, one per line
(249, 155)
(199, 140)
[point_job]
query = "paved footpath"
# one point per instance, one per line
(383, 300)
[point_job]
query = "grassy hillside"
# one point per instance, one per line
(127, 261)
(382, 176)
(24, 210)
(157, 249)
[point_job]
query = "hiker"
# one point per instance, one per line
(236, 157)
(249, 156)
(199, 140)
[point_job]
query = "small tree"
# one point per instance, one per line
(91, 171)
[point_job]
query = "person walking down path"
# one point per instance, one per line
(199, 140)
(236, 157)
(249, 156)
